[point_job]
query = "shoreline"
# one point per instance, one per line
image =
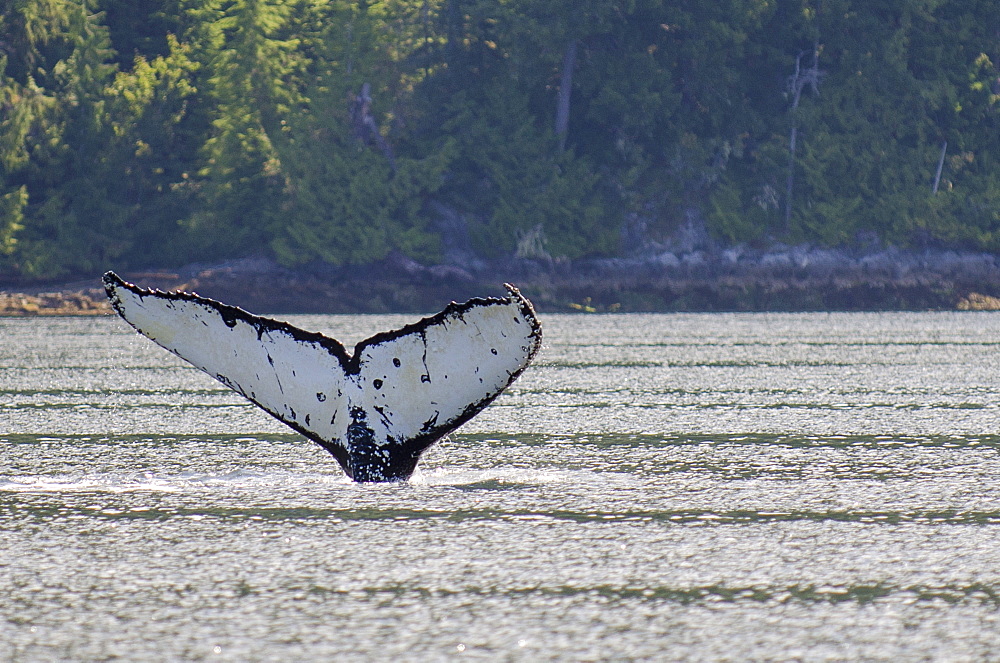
(736, 279)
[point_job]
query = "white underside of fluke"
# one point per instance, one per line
(398, 392)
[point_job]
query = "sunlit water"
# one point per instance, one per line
(658, 487)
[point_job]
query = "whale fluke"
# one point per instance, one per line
(375, 410)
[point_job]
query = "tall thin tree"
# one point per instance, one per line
(796, 83)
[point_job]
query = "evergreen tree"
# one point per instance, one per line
(139, 134)
(349, 198)
(250, 80)
(155, 152)
(54, 138)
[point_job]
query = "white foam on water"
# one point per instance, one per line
(178, 483)
(84, 484)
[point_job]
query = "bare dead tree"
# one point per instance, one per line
(365, 127)
(797, 82)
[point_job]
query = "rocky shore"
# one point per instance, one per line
(733, 279)
(78, 302)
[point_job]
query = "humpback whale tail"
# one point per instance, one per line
(376, 409)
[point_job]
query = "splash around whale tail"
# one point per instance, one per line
(376, 409)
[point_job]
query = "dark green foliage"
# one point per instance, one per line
(149, 134)
(346, 205)
(511, 176)
(157, 135)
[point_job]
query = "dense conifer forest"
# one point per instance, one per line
(139, 133)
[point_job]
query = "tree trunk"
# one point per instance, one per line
(365, 127)
(937, 177)
(565, 88)
(455, 26)
(796, 82)
(790, 181)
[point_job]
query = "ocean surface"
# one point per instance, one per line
(705, 487)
